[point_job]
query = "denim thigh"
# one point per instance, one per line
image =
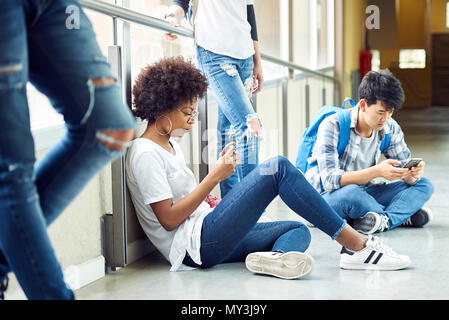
(352, 202)
(64, 61)
(230, 90)
(63, 70)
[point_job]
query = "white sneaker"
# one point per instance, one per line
(289, 265)
(370, 223)
(375, 256)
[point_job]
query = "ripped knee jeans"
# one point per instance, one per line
(231, 82)
(65, 64)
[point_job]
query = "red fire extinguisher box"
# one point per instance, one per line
(365, 62)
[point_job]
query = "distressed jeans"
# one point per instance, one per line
(231, 83)
(230, 232)
(397, 200)
(62, 62)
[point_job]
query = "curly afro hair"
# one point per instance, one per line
(162, 87)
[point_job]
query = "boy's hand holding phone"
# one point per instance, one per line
(416, 171)
(388, 170)
(411, 171)
(415, 168)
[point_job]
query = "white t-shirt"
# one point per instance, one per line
(153, 174)
(221, 26)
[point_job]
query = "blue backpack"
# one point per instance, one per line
(309, 136)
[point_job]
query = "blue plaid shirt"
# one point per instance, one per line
(325, 177)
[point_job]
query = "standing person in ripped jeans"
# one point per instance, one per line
(233, 69)
(64, 62)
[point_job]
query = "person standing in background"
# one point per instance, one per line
(233, 69)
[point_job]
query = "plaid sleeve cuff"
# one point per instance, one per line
(332, 181)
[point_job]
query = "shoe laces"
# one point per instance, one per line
(407, 222)
(377, 245)
(383, 223)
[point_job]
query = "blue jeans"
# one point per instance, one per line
(397, 200)
(230, 232)
(60, 62)
(231, 82)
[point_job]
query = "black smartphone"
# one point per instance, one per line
(413, 162)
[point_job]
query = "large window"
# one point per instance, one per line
(313, 33)
(412, 59)
(312, 41)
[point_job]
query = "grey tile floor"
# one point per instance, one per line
(427, 134)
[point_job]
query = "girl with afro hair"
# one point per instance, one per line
(171, 205)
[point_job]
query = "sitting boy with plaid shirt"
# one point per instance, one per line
(354, 183)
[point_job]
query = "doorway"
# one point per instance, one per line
(440, 69)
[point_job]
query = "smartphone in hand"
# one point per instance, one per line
(413, 162)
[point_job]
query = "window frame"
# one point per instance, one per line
(447, 14)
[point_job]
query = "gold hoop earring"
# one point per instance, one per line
(169, 130)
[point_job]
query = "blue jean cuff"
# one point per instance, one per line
(336, 234)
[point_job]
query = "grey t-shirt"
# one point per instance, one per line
(366, 157)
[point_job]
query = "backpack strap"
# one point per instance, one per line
(351, 102)
(344, 123)
(385, 143)
(344, 120)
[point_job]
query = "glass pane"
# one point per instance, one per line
(301, 33)
(412, 59)
(154, 8)
(375, 60)
(313, 33)
(148, 45)
(269, 33)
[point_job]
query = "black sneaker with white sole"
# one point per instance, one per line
(375, 256)
(419, 219)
